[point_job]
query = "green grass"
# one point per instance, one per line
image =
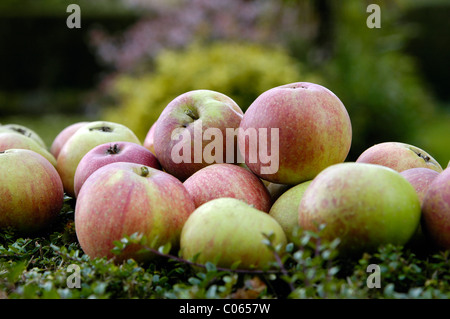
(38, 267)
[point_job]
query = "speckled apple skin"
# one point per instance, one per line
(420, 178)
(364, 205)
(398, 156)
(314, 131)
(31, 191)
(208, 109)
(228, 180)
(116, 200)
(436, 211)
(228, 232)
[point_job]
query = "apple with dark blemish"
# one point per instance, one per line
(82, 141)
(120, 199)
(228, 180)
(107, 153)
(364, 205)
(314, 130)
(191, 132)
(21, 129)
(230, 233)
(436, 211)
(31, 192)
(14, 140)
(398, 156)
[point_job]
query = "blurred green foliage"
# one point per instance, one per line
(241, 71)
(368, 69)
(434, 135)
(379, 84)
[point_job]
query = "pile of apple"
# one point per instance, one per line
(209, 205)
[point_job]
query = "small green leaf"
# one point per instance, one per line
(165, 249)
(210, 267)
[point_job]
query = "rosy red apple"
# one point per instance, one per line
(11, 140)
(228, 180)
(120, 199)
(31, 191)
(436, 211)
(398, 156)
(364, 205)
(63, 136)
(107, 153)
(420, 178)
(292, 132)
(150, 139)
(193, 130)
(82, 141)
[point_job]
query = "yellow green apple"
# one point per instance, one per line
(285, 209)
(229, 233)
(21, 129)
(13, 140)
(31, 192)
(364, 205)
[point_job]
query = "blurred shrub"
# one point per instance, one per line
(368, 69)
(433, 135)
(241, 71)
(175, 24)
(379, 84)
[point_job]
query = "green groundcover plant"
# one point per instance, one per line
(44, 266)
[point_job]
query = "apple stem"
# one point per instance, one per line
(144, 171)
(112, 150)
(191, 114)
